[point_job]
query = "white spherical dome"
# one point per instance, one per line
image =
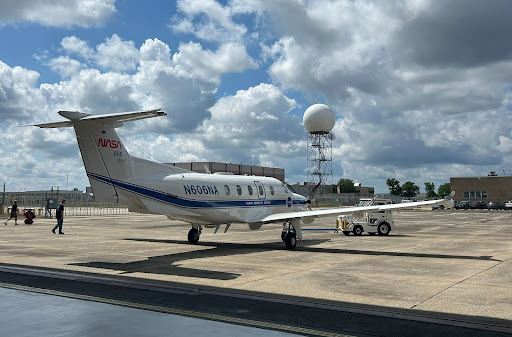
(319, 118)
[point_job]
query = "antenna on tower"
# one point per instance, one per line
(319, 120)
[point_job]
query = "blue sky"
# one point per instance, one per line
(420, 88)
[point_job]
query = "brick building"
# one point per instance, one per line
(490, 188)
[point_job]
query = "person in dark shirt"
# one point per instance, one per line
(14, 213)
(59, 215)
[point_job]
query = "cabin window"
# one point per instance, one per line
(239, 189)
(260, 189)
(226, 189)
(271, 190)
(249, 188)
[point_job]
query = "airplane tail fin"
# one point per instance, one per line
(105, 158)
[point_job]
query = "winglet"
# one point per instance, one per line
(73, 115)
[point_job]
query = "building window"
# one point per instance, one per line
(475, 194)
(226, 189)
(249, 188)
(271, 190)
(239, 189)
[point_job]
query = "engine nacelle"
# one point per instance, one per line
(255, 225)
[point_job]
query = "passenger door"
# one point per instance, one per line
(260, 190)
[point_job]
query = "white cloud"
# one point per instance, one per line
(155, 50)
(17, 92)
(69, 13)
(208, 20)
(242, 125)
(72, 44)
(65, 66)
(117, 55)
(208, 66)
(251, 127)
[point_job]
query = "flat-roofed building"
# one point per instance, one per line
(333, 196)
(238, 169)
(490, 188)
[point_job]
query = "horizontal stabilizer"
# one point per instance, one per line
(75, 116)
(64, 124)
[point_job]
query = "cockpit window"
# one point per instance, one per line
(285, 189)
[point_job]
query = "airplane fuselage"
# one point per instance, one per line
(208, 198)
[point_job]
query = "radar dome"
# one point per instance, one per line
(319, 118)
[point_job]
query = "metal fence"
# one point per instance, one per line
(77, 203)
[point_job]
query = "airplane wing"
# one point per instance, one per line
(313, 214)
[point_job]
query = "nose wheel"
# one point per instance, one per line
(289, 236)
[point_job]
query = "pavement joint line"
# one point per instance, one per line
(459, 282)
(180, 312)
(404, 315)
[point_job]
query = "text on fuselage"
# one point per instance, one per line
(200, 189)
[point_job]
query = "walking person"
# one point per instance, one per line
(14, 213)
(59, 215)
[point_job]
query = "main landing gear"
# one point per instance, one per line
(291, 233)
(194, 233)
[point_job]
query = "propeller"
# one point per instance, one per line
(312, 196)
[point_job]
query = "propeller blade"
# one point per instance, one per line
(312, 196)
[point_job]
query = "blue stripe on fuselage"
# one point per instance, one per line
(177, 201)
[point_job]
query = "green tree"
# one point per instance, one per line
(430, 188)
(394, 186)
(346, 185)
(444, 190)
(410, 189)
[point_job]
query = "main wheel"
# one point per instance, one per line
(193, 236)
(291, 240)
(383, 229)
(283, 235)
(358, 230)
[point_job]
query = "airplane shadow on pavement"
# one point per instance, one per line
(170, 264)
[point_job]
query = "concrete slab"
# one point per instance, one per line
(435, 263)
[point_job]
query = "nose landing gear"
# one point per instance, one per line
(291, 233)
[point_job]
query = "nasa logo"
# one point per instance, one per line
(289, 202)
(113, 144)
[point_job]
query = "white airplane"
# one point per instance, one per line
(208, 200)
